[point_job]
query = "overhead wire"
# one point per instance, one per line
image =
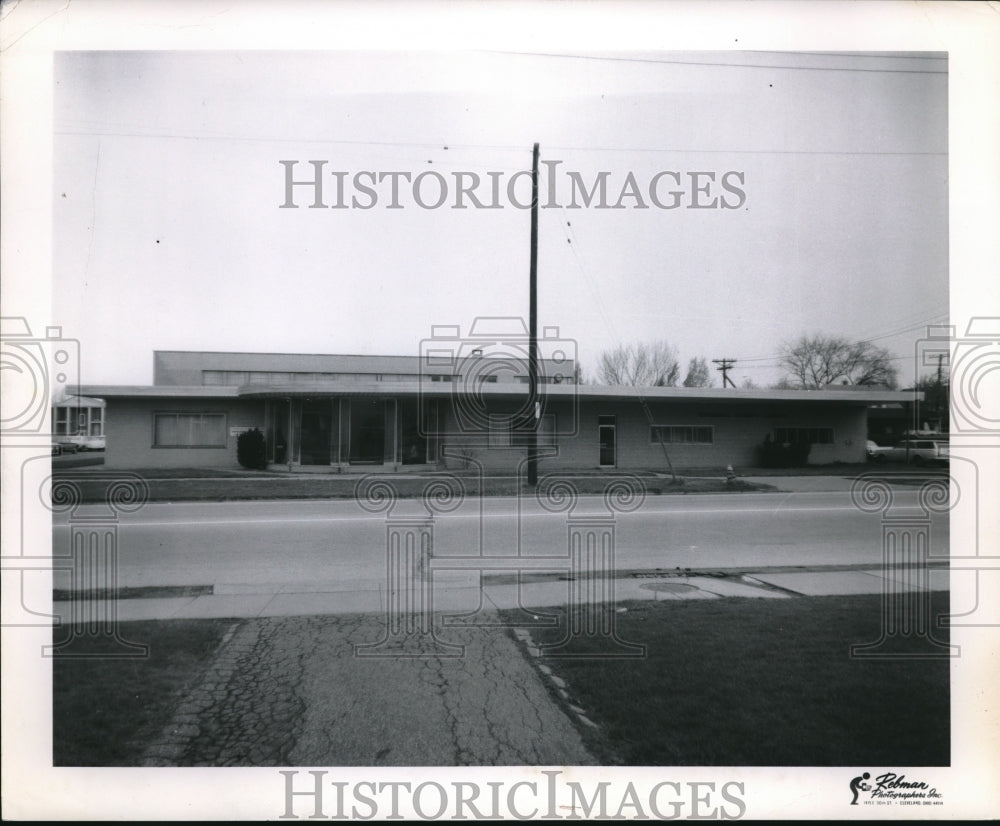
(712, 64)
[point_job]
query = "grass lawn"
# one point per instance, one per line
(105, 711)
(208, 485)
(759, 682)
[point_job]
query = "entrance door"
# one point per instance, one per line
(606, 440)
(315, 436)
(367, 431)
(277, 432)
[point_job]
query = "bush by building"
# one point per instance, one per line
(250, 450)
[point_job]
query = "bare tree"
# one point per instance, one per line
(640, 365)
(816, 361)
(697, 373)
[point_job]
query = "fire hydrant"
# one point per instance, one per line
(730, 476)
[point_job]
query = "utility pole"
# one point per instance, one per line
(939, 395)
(533, 326)
(725, 365)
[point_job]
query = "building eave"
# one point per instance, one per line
(500, 391)
(102, 391)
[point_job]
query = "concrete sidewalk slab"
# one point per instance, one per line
(674, 588)
(730, 588)
(827, 584)
(831, 583)
(217, 607)
(124, 610)
(325, 599)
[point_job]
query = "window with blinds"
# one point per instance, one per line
(189, 430)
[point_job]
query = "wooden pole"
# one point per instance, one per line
(533, 325)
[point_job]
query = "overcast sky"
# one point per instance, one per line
(168, 232)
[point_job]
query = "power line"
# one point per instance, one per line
(713, 65)
(894, 332)
(450, 146)
(871, 55)
(743, 151)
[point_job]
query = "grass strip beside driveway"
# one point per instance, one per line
(755, 682)
(106, 710)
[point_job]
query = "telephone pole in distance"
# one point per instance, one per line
(725, 365)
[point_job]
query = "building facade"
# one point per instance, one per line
(79, 421)
(457, 408)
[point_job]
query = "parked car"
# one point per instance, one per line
(89, 442)
(73, 444)
(875, 453)
(916, 451)
(66, 444)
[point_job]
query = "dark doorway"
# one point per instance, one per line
(412, 443)
(367, 431)
(316, 423)
(606, 426)
(277, 437)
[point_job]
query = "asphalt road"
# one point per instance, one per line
(309, 541)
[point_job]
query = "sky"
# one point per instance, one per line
(169, 231)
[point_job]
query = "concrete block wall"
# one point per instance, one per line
(129, 429)
(736, 439)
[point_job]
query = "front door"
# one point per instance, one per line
(606, 440)
(315, 433)
(368, 431)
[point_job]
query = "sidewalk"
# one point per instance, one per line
(803, 484)
(322, 674)
(459, 593)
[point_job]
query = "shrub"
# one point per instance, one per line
(250, 450)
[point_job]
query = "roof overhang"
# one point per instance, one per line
(115, 391)
(861, 398)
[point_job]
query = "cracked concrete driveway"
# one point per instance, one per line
(290, 691)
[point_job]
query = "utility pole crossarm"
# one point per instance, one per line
(725, 365)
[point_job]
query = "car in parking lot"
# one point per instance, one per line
(874, 452)
(80, 443)
(915, 451)
(89, 443)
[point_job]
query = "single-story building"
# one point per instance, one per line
(78, 421)
(458, 408)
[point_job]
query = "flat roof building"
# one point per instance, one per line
(459, 404)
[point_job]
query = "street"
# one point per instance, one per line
(336, 541)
